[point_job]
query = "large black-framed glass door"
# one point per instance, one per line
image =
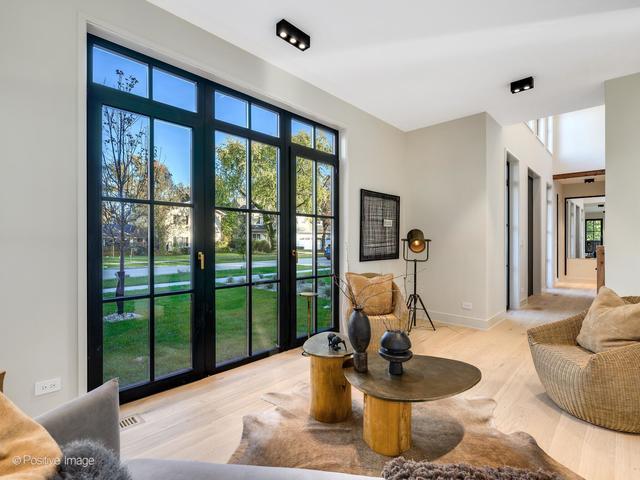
(198, 198)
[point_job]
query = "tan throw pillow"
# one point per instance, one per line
(610, 323)
(27, 451)
(374, 294)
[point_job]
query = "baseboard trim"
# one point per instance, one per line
(464, 321)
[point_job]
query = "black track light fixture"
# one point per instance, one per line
(293, 35)
(522, 85)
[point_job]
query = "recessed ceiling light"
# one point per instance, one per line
(521, 85)
(293, 35)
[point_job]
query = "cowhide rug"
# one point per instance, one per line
(453, 430)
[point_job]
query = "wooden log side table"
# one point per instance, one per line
(388, 398)
(330, 391)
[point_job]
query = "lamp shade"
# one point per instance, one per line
(415, 239)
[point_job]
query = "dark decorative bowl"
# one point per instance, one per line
(395, 348)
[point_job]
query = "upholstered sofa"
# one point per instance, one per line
(95, 416)
(395, 318)
(600, 388)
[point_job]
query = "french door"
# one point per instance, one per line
(209, 212)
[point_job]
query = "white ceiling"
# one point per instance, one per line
(414, 63)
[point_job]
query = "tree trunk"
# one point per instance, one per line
(122, 253)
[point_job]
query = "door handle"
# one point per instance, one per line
(294, 253)
(201, 260)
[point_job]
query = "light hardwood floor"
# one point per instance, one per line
(203, 420)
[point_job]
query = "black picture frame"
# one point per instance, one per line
(376, 210)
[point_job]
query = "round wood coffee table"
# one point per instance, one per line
(330, 391)
(388, 398)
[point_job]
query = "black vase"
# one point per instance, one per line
(359, 331)
(395, 347)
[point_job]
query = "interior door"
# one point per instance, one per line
(313, 228)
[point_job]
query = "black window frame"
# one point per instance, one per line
(204, 125)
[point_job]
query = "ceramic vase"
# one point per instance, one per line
(359, 331)
(395, 347)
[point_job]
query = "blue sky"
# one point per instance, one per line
(173, 144)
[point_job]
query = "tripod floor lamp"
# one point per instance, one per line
(416, 243)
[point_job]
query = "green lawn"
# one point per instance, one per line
(126, 342)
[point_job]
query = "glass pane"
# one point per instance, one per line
(323, 246)
(125, 153)
(231, 247)
(304, 185)
(231, 109)
(173, 90)
(172, 248)
(125, 330)
(301, 133)
(264, 176)
(265, 121)
(325, 141)
(231, 170)
(324, 179)
(231, 324)
(304, 246)
(304, 316)
(264, 335)
(264, 246)
(172, 162)
(325, 320)
(173, 333)
(117, 71)
(125, 249)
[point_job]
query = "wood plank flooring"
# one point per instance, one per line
(203, 420)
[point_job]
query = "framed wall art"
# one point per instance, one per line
(379, 226)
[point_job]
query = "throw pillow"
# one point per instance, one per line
(374, 294)
(27, 451)
(610, 323)
(401, 469)
(89, 460)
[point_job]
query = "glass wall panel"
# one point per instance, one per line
(304, 246)
(265, 121)
(325, 141)
(172, 162)
(301, 133)
(231, 109)
(174, 90)
(304, 185)
(325, 297)
(264, 176)
(172, 315)
(117, 71)
(125, 154)
(323, 246)
(231, 324)
(125, 249)
(172, 248)
(304, 322)
(264, 246)
(231, 247)
(264, 332)
(230, 170)
(324, 187)
(125, 339)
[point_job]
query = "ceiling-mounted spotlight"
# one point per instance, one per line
(589, 180)
(522, 85)
(293, 35)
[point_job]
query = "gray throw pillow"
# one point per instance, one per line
(402, 469)
(93, 416)
(88, 460)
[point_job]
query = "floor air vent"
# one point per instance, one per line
(130, 421)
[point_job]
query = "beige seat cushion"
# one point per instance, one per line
(27, 451)
(374, 294)
(610, 323)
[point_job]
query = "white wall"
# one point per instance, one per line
(579, 141)
(42, 202)
(532, 156)
(457, 198)
(447, 199)
(622, 100)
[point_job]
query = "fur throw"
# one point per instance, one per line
(401, 469)
(89, 460)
